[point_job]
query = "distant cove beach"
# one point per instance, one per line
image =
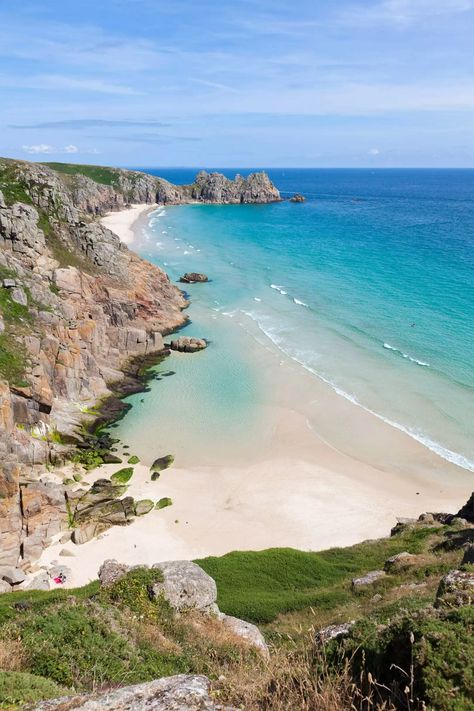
(299, 467)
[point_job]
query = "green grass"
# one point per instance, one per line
(13, 361)
(11, 186)
(259, 586)
(19, 688)
(101, 174)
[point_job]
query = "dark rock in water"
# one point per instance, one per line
(162, 463)
(297, 197)
(193, 278)
(187, 344)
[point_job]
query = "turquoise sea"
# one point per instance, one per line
(368, 286)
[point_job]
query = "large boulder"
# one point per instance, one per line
(188, 344)
(368, 579)
(248, 632)
(402, 561)
(183, 692)
(186, 586)
(193, 278)
(110, 571)
(467, 511)
(326, 634)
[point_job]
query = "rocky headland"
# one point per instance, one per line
(79, 314)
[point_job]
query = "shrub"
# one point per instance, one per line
(19, 688)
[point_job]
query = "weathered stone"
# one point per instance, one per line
(368, 578)
(297, 197)
(13, 576)
(143, 507)
(5, 587)
(175, 693)
(334, 632)
(41, 582)
(468, 557)
(193, 278)
(110, 571)
(162, 463)
(402, 561)
(187, 344)
(456, 589)
(18, 295)
(8, 283)
(250, 633)
(186, 586)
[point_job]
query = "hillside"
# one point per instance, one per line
(337, 640)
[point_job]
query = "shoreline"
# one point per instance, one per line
(297, 489)
(123, 222)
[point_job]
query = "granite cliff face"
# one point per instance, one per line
(75, 306)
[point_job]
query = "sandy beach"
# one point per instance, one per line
(296, 489)
(122, 223)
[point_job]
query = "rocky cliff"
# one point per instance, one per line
(75, 306)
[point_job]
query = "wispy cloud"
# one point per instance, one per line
(92, 123)
(59, 82)
(46, 148)
(401, 12)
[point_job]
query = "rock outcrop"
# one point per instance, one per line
(187, 344)
(187, 587)
(75, 307)
(193, 278)
(183, 692)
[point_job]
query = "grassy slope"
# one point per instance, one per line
(85, 638)
(101, 174)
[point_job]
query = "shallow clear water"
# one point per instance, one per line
(367, 285)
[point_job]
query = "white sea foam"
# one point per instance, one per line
(300, 303)
(186, 251)
(454, 457)
(278, 288)
(405, 355)
(255, 298)
(164, 232)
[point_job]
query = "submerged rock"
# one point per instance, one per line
(297, 197)
(193, 278)
(188, 344)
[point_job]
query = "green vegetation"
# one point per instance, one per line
(134, 459)
(103, 175)
(402, 654)
(11, 185)
(163, 503)
(13, 361)
(259, 586)
(89, 458)
(122, 476)
(18, 688)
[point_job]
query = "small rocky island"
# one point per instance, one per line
(193, 278)
(297, 197)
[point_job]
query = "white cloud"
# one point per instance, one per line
(373, 152)
(46, 148)
(39, 148)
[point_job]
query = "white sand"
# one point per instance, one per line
(122, 223)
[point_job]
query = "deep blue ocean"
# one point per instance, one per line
(368, 285)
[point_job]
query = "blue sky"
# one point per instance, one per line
(242, 83)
